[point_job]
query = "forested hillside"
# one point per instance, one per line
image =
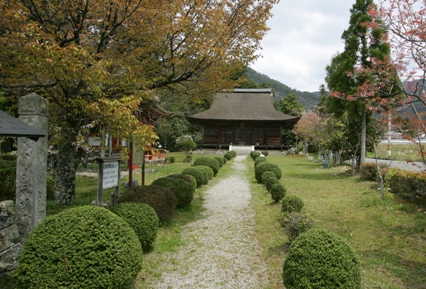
(307, 99)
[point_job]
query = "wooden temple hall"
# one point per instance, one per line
(245, 117)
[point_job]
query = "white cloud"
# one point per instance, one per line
(304, 35)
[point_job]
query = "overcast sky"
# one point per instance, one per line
(303, 36)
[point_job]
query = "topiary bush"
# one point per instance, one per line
(320, 259)
(161, 199)
(291, 204)
(233, 153)
(295, 224)
(254, 155)
(208, 171)
(277, 192)
(224, 160)
(172, 159)
(208, 161)
(198, 174)
(143, 219)
(82, 247)
(270, 182)
(188, 178)
(266, 166)
(228, 156)
(266, 175)
(183, 190)
(259, 161)
(219, 160)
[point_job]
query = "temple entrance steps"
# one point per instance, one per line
(242, 150)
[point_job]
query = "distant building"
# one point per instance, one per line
(243, 117)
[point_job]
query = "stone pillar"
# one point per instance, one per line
(31, 167)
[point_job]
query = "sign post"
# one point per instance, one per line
(108, 177)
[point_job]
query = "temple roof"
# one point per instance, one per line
(244, 105)
(13, 127)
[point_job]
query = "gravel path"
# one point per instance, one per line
(221, 249)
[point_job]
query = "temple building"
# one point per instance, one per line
(245, 117)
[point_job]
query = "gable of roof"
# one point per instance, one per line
(243, 105)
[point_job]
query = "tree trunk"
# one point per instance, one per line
(65, 175)
(363, 137)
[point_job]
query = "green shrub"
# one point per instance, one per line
(208, 161)
(143, 219)
(254, 155)
(233, 153)
(187, 145)
(270, 182)
(277, 192)
(265, 153)
(7, 176)
(295, 224)
(219, 160)
(228, 156)
(410, 185)
(266, 166)
(368, 171)
(160, 198)
(183, 190)
(172, 159)
(224, 160)
(207, 170)
(82, 247)
(190, 179)
(198, 174)
(319, 259)
(266, 175)
(291, 204)
(187, 159)
(260, 161)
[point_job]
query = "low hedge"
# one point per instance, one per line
(254, 155)
(208, 161)
(161, 199)
(266, 166)
(208, 171)
(407, 184)
(228, 156)
(198, 174)
(188, 178)
(260, 160)
(183, 190)
(320, 259)
(277, 192)
(368, 171)
(82, 247)
(143, 219)
(291, 204)
(219, 160)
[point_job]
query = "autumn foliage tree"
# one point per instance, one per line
(96, 60)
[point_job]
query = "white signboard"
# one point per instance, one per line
(110, 172)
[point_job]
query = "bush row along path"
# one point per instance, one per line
(221, 249)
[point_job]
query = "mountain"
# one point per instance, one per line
(305, 98)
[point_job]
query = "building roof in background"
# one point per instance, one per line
(244, 105)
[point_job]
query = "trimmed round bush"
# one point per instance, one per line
(266, 175)
(291, 204)
(295, 224)
(143, 219)
(219, 160)
(320, 259)
(224, 160)
(208, 161)
(260, 160)
(228, 156)
(160, 198)
(233, 153)
(270, 182)
(187, 159)
(254, 155)
(277, 192)
(197, 173)
(172, 159)
(82, 247)
(187, 178)
(207, 170)
(183, 190)
(266, 166)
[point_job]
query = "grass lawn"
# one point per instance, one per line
(398, 152)
(389, 236)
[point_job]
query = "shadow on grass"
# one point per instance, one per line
(410, 272)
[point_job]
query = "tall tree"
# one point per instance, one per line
(289, 105)
(350, 77)
(98, 60)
